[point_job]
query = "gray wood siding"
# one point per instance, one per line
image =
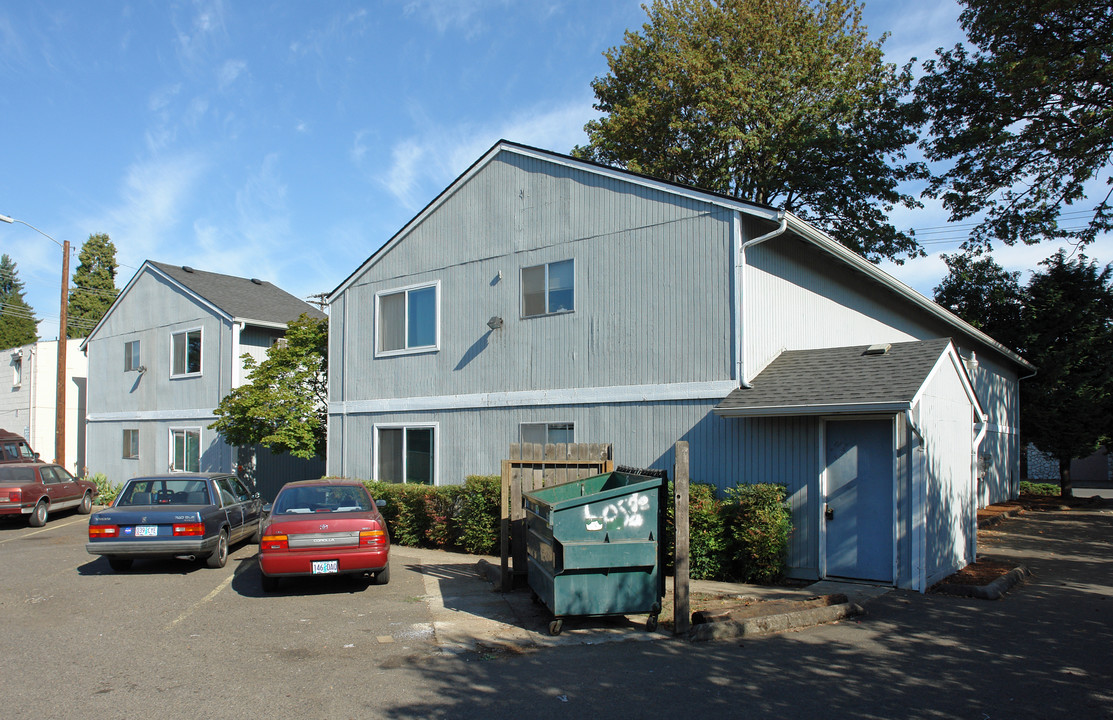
(105, 449)
(652, 282)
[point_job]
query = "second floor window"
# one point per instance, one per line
(548, 289)
(407, 320)
(186, 353)
(131, 356)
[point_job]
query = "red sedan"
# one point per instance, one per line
(38, 489)
(324, 527)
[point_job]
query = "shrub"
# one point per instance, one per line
(106, 491)
(1032, 488)
(758, 524)
(477, 521)
(707, 542)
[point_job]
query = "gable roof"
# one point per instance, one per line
(797, 226)
(827, 381)
(248, 300)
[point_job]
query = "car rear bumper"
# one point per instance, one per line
(301, 563)
(16, 509)
(152, 548)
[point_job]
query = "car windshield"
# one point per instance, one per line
(164, 492)
(17, 474)
(321, 499)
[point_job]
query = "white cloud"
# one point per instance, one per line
(422, 166)
(445, 15)
(229, 71)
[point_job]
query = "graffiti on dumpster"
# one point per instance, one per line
(627, 512)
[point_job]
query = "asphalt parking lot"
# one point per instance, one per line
(79, 638)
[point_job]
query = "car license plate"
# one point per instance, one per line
(323, 567)
(146, 530)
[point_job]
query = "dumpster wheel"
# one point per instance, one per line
(556, 626)
(651, 621)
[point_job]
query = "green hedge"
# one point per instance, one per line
(741, 537)
(1033, 488)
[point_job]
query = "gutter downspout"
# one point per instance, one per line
(740, 283)
(919, 501)
(983, 427)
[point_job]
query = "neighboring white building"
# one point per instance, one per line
(28, 407)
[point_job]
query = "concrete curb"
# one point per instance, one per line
(992, 591)
(773, 623)
(998, 518)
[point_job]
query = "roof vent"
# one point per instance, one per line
(257, 281)
(878, 349)
(187, 268)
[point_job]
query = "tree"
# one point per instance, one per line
(1068, 335)
(94, 285)
(1026, 118)
(983, 294)
(18, 325)
(285, 404)
(779, 102)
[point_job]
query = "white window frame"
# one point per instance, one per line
(376, 447)
(175, 430)
(436, 346)
(136, 357)
(200, 360)
(135, 442)
(17, 371)
(522, 289)
(547, 426)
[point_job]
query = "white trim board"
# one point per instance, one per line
(712, 390)
(138, 415)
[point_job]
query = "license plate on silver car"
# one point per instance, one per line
(324, 567)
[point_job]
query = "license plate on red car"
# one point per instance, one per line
(325, 567)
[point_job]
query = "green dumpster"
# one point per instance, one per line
(593, 546)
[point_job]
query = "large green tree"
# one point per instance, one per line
(17, 319)
(780, 102)
(1025, 119)
(94, 285)
(983, 294)
(284, 406)
(1065, 410)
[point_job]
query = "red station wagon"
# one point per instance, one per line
(324, 527)
(38, 489)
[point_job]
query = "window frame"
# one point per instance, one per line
(17, 371)
(376, 446)
(200, 353)
(570, 426)
(126, 446)
(407, 289)
(134, 361)
(548, 289)
(187, 431)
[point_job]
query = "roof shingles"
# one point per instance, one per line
(241, 298)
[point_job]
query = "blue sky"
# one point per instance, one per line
(289, 140)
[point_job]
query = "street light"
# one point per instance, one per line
(60, 390)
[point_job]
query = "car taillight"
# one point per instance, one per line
(14, 496)
(274, 542)
(103, 531)
(372, 538)
(189, 529)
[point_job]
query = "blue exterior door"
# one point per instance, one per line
(858, 509)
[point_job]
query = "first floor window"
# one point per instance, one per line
(186, 450)
(548, 289)
(406, 455)
(131, 444)
(546, 433)
(131, 355)
(407, 320)
(186, 353)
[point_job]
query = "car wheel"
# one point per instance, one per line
(270, 583)
(220, 553)
(86, 505)
(383, 576)
(38, 515)
(119, 564)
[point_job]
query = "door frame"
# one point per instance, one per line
(822, 500)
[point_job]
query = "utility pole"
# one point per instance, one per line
(63, 341)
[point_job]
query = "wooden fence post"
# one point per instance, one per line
(682, 609)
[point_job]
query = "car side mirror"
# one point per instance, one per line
(266, 508)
